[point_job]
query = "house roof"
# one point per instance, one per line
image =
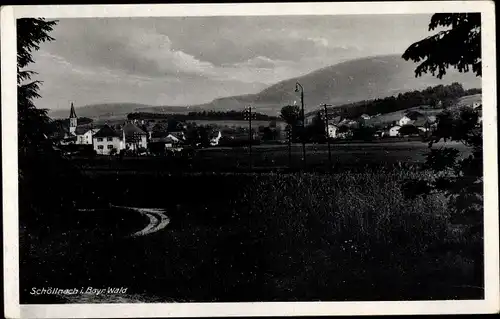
(336, 120)
(164, 139)
(159, 134)
(82, 129)
(214, 134)
(421, 121)
(160, 127)
(131, 129)
(177, 134)
(148, 127)
(413, 115)
(107, 131)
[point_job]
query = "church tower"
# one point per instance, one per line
(72, 119)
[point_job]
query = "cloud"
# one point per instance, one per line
(259, 62)
(157, 48)
(186, 60)
(320, 42)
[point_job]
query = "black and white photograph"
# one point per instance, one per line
(175, 158)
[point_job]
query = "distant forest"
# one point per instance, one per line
(204, 115)
(446, 94)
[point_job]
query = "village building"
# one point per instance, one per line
(394, 131)
(332, 131)
(108, 141)
(405, 120)
(423, 124)
(177, 136)
(84, 134)
(161, 139)
(214, 140)
(134, 138)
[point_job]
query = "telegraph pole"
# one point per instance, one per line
(327, 131)
(289, 137)
(297, 87)
(248, 115)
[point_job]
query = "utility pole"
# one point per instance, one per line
(327, 131)
(248, 115)
(289, 137)
(297, 87)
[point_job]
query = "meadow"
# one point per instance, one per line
(231, 123)
(270, 237)
(269, 158)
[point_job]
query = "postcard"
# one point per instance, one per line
(249, 159)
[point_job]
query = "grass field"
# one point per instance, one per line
(272, 237)
(231, 123)
(269, 157)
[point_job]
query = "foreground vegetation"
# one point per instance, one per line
(264, 237)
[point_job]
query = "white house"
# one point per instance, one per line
(365, 117)
(107, 139)
(84, 135)
(394, 131)
(215, 140)
(133, 137)
(404, 121)
(332, 131)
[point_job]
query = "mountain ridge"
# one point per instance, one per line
(342, 83)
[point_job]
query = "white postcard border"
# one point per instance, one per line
(9, 165)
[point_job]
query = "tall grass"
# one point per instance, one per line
(271, 237)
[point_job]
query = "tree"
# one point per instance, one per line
(174, 125)
(343, 129)
(364, 133)
(49, 184)
(461, 180)
(197, 135)
(459, 46)
(33, 123)
(317, 129)
(268, 134)
(290, 114)
(408, 130)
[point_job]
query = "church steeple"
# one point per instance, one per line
(73, 120)
(72, 113)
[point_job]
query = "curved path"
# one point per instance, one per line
(157, 219)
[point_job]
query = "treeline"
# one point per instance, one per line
(440, 96)
(80, 121)
(203, 115)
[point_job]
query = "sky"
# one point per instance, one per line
(192, 60)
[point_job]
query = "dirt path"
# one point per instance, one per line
(157, 219)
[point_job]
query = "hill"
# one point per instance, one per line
(113, 111)
(469, 100)
(388, 118)
(354, 80)
(343, 83)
